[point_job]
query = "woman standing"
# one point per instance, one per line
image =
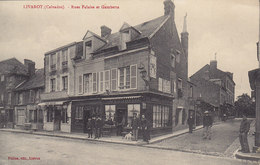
(145, 125)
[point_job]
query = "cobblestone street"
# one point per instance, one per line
(223, 143)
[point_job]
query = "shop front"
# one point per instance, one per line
(57, 116)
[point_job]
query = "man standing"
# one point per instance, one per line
(190, 123)
(243, 131)
(207, 124)
(145, 124)
(135, 126)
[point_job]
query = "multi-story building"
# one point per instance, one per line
(27, 112)
(12, 73)
(139, 69)
(214, 86)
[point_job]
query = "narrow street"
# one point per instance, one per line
(223, 143)
(55, 151)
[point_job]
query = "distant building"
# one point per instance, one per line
(12, 73)
(139, 69)
(215, 87)
(27, 112)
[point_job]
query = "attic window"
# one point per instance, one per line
(88, 49)
(125, 38)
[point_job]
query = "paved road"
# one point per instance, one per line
(56, 151)
(223, 143)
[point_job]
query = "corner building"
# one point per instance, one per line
(138, 69)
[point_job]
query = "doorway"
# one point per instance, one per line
(57, 120)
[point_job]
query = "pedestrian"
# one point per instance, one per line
(98, 127)
(190, 122)
(145, 125)
(135, 126)
(243, 131)
(207, 124)
(89, 128)
(93, 121)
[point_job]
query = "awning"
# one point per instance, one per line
(122, 98)
(52, 103)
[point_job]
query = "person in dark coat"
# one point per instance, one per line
(93, 121)
(190, 122)
(90, 126)
(98, 127)
(243, 131)
(135, 126)
(145, 125)
(207, 124)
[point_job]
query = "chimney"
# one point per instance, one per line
(169, 8)
(213, 64)
(30, 65)
(105, 31)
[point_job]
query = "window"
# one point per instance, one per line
(32, 96)
(65, 58)
(88, 49)
(114, 79)
(2, 97)
(2, 78)
(53, 84)
(127, 77)
(125, 38)
(101, 81)
(179, 83)
(65, 83)
(160, 84)
(173, 60)
(20, 98)
(49, 115)
(110, 112)
(40, 120)
(64, 116)
(131, 109)
(161, 116)
(53, 61)
(133, 76)
(32, 116)
(9, 98)
(88, 83)
(80, 84)
(79, 113)
(37, 95)
(107, 80)
(94, 82)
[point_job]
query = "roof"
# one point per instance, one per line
(37, 81)
(146, 29)
(12, 66)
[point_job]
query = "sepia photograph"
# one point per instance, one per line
(120, 82)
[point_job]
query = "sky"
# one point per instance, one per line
(229, 29)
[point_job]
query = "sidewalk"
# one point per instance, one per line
(251, 138)
(112, 139)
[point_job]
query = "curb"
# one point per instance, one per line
(247, 156)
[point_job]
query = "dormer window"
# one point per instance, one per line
(125, 38)
(88, 49)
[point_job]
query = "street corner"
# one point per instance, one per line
(247, 156)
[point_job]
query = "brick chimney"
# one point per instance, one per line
(213, 64)
(105, 31)
(169, 8)
(30, 65)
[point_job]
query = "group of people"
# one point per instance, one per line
(94, 126)
(208, 122)
(141, 124)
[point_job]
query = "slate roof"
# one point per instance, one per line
(146, 29)
(12, 65)
(37, 81)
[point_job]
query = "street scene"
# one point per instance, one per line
(54, 150)
(130, 82)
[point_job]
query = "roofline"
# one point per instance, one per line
(59, 48)
(159, 27)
